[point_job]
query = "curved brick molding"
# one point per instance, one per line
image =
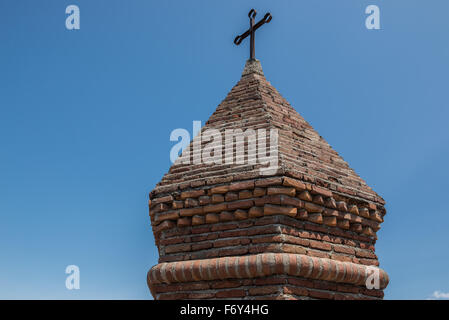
(262, 265)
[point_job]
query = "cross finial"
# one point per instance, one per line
(252, 31)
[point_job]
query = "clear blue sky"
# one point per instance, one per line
(85, 119)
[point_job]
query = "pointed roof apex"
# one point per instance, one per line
(252, 66)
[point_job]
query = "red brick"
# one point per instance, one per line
(263, 230)
(204, 200)
(222, 227)
(191, 211)
(177, 204)
(365, 254)
(275, 247)
(342, 249)
(255, 212)
(290, 248)
(341, 257)
(302, 214)
(226, 284)
(341, 205)
(242, 204)
(226, 243)
(266, 220)
(271, 238)
(201, 246)
(295, 202)
(197, 220)
(295, 291)
(268, 281)
(344, 224)
(175, 240)
(177, 248)
(233, 293)
(298, 241)
(233, 251)
(245, 194)
(329, 286)
(217, 198)
(322, 191)
(300, 282)
(258, 192)
(356, 227)
(191, 203)
(215, 207)
(364, 212)
(281, 190)
(347, 288)
(294, 183)
(321, 294)
(269, 209)
(168, 198)
(353, 209)
(226, 216)
(265, 290)
(330, 213)
(167, 224)
(241, 185)
(273, 199)
(173, 296)
(231, 196)
(170, 215)
(200, 295)
(318, 200)
(203, 229)
(192, 194)
(220, 189)
(313, 208)
(269, 182)
(315, 217)
(330, 221)
(198, 183)
(212, 218)
(330, 203)
(318, 254)
(241, 214)
(305, 195)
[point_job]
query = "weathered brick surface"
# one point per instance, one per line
(226, 231)
(253, 276)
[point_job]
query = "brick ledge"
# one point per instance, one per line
(262, 265)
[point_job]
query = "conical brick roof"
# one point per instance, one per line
(254, 103)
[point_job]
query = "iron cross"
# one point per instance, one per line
(252, 30)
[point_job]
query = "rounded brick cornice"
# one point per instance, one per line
(262, 265)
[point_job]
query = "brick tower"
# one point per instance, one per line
(304, 231)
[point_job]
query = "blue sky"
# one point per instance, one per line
(86, 115)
